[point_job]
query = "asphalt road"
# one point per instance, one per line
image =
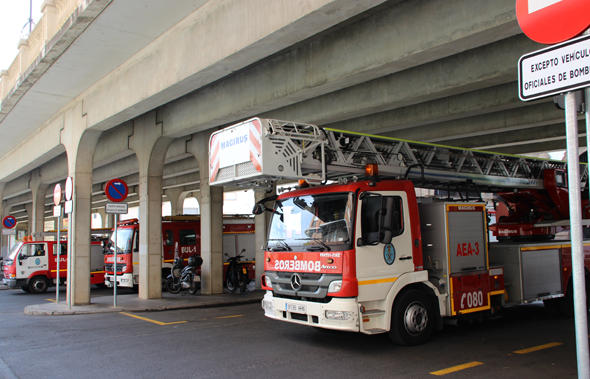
(239, 342)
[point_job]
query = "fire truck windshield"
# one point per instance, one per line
(312, 223)
(12, 254)
(123, 241)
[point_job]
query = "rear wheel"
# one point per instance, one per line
(171, 287)
(231, 281)
(565, 304)
(551, 306)
(38, 284)
(412, 318)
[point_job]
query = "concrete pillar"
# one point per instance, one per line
(39, 192)
(29, 209)
(150, 148)
(80, 145)
(176, 196)
(211, 207)
(261, 223)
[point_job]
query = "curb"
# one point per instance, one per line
(62, 310)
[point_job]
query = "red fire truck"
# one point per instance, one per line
(370, 256)
(181, 232)
(32, 265)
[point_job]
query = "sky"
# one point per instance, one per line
(14, 14)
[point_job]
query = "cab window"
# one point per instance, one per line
(187, 237)
(64, 249)
(168, 238)
(381, 218)
(33, 250)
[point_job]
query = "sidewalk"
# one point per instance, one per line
(132, 303)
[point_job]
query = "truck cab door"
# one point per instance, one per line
(33, 257)
(384, 249)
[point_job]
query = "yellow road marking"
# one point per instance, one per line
(455, 368)
(536, 348)
(216, 318)
(150, 320)
(50, 300)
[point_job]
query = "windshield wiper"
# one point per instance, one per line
(311, 248)
(280, 248)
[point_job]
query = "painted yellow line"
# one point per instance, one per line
(216, 318)
(537, 348)
(50, 300)
(377, 281)
(455, 368)
(150, 320)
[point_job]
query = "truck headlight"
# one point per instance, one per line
(335, 286)
(338, 315)
(267, 281)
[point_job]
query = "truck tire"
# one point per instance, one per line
(38, 284)
(26, 289)
(565, 304)
(412, 318)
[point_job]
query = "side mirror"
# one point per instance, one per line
(258, 209)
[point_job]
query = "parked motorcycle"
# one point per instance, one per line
(185, 278)
(236, 275)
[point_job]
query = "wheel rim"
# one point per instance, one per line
(416, 318)
(39, 285)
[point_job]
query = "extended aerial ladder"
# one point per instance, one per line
(258, 152)
(277, 150)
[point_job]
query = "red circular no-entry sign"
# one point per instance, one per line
(553, 21)
(116, 190)
(57, 194)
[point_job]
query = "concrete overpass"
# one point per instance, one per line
(133, 89)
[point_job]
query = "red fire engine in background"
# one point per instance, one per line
(32, 265)
(178, 232)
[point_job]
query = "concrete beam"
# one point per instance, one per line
(524, 137)
(394, 40)
(539, 147)
(497, 122)
(468, 104)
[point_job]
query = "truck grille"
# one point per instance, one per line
(313, 285)
(109, 267)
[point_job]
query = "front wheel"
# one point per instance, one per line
(412, 318)
(171, 287)
(38, 284)
(243, 282)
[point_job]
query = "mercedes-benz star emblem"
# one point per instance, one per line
(296, 282)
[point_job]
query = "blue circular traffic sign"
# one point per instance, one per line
(116, 190)
(9, 222)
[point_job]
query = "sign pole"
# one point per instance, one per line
(58, 253)
(575, 203)
(115, 264)
(69, 252)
